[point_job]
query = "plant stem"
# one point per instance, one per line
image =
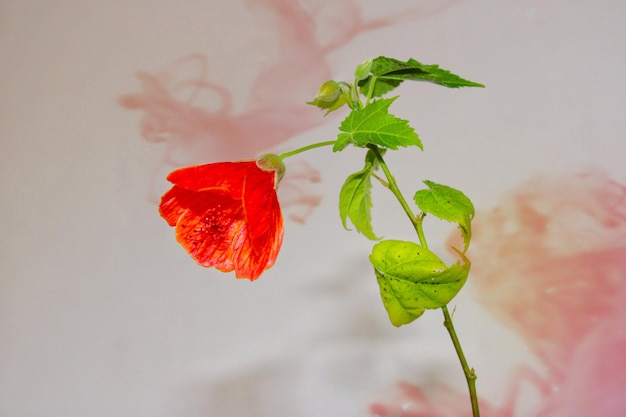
(306, 148)
(420, 230)
(470, 375)
(393, 187)
(370, 92)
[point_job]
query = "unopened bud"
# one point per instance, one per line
(363, 70)
(272, 162)
(329, 91)
(329, 97)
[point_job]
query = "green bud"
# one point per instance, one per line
(329, 91)
(272, 162)
(329, 97)
(363, 70)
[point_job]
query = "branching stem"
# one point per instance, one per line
(416, 221)
(470, 375)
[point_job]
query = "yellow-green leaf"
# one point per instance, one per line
(412, 279)
(448, 204)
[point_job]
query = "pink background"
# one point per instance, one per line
(103, 314)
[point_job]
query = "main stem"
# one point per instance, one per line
(393, 187)
(470, 375)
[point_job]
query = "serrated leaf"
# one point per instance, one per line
(343, 140)
(375, 125)
(412, 279)
(448, 204)
(355, 201)
(382, 85)
(388, 73)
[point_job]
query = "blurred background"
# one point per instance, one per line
(102, 313)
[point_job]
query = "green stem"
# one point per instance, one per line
(370, 92)
(470, 375)
(393, 187)
(306, 148)
(420, 230)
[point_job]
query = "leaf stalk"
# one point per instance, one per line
(306, 148)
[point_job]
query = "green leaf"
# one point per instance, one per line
(355, 201)
(375, 125)
(448, 204)
(412, 279)
(388, 73)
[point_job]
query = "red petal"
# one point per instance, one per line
(231, 223)
(263, 216)
(213, 230)
(227, 176)
(174, 203)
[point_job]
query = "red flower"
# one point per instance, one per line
(227, 214)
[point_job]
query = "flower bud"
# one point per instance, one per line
(329, 91)
(272, 162)
(363, 70)
(329, 97)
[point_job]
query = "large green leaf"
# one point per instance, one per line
(412, 279)
(388, 73)
(355, 201)
(448, 204)
(375, 125)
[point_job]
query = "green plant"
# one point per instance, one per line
(221, 220)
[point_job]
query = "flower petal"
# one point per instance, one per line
(227, 176)
(226, 216)
(263, 216)
(212, 229)
(174, 203)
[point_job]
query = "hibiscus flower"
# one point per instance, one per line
(227, 214)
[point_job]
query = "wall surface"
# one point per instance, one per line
(102, 313)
